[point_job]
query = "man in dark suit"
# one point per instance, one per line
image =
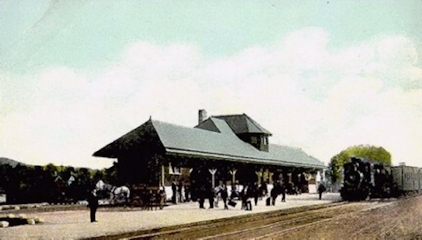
(283, 192)
(321, 189)
(92, 204)
(224, 195)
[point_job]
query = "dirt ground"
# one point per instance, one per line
(74, 224)
(400, 220)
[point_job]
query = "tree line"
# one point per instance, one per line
(50, 183)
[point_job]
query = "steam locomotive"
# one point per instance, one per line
(363, 179)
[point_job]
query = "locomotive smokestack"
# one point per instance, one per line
(202, 115)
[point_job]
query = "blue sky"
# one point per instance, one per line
(321, 75)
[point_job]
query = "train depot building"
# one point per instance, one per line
(229, 149)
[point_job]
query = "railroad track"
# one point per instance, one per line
(257, 226)
(345, 212)
(211, 227)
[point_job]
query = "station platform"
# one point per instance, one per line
(77, 225)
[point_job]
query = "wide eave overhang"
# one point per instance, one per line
(217, 156)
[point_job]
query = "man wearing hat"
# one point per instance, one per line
(92, 204)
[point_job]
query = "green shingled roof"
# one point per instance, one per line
(226, 145)
(242, 123)
(221, 144)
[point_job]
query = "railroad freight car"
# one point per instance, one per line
(407, 180)
(364, 179)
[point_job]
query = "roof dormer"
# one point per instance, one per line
(248, 130)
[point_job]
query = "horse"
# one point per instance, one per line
(117, 195)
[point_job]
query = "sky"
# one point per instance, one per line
(319, 75)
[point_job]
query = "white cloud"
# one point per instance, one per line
(305, 49)
(398, 51)
(308, 95)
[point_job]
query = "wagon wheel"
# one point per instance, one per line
(137, 202)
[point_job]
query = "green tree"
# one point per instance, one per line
(5, 177)
(111, 175)
(371, 153)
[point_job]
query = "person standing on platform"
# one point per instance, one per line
(187, 191)
(321, 189)
(92, 204)
(283, 192)
(217, 194)
(274, 192)
(244, 195)
(201, 196)
(224, 195)
(256, 193)
(174, 192)
(264, 188)
(179, 191)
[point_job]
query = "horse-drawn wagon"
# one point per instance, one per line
(137, 195)
(148, 197)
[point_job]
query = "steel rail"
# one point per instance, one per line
(229, 221)
(270, 235)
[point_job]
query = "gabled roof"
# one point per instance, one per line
(209, 125)
(242, 123)
(142, 138)
(222, 144)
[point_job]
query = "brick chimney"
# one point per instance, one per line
(202, 115)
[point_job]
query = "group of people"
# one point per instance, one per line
(221, 192)
(248, 193)
(180, 192)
